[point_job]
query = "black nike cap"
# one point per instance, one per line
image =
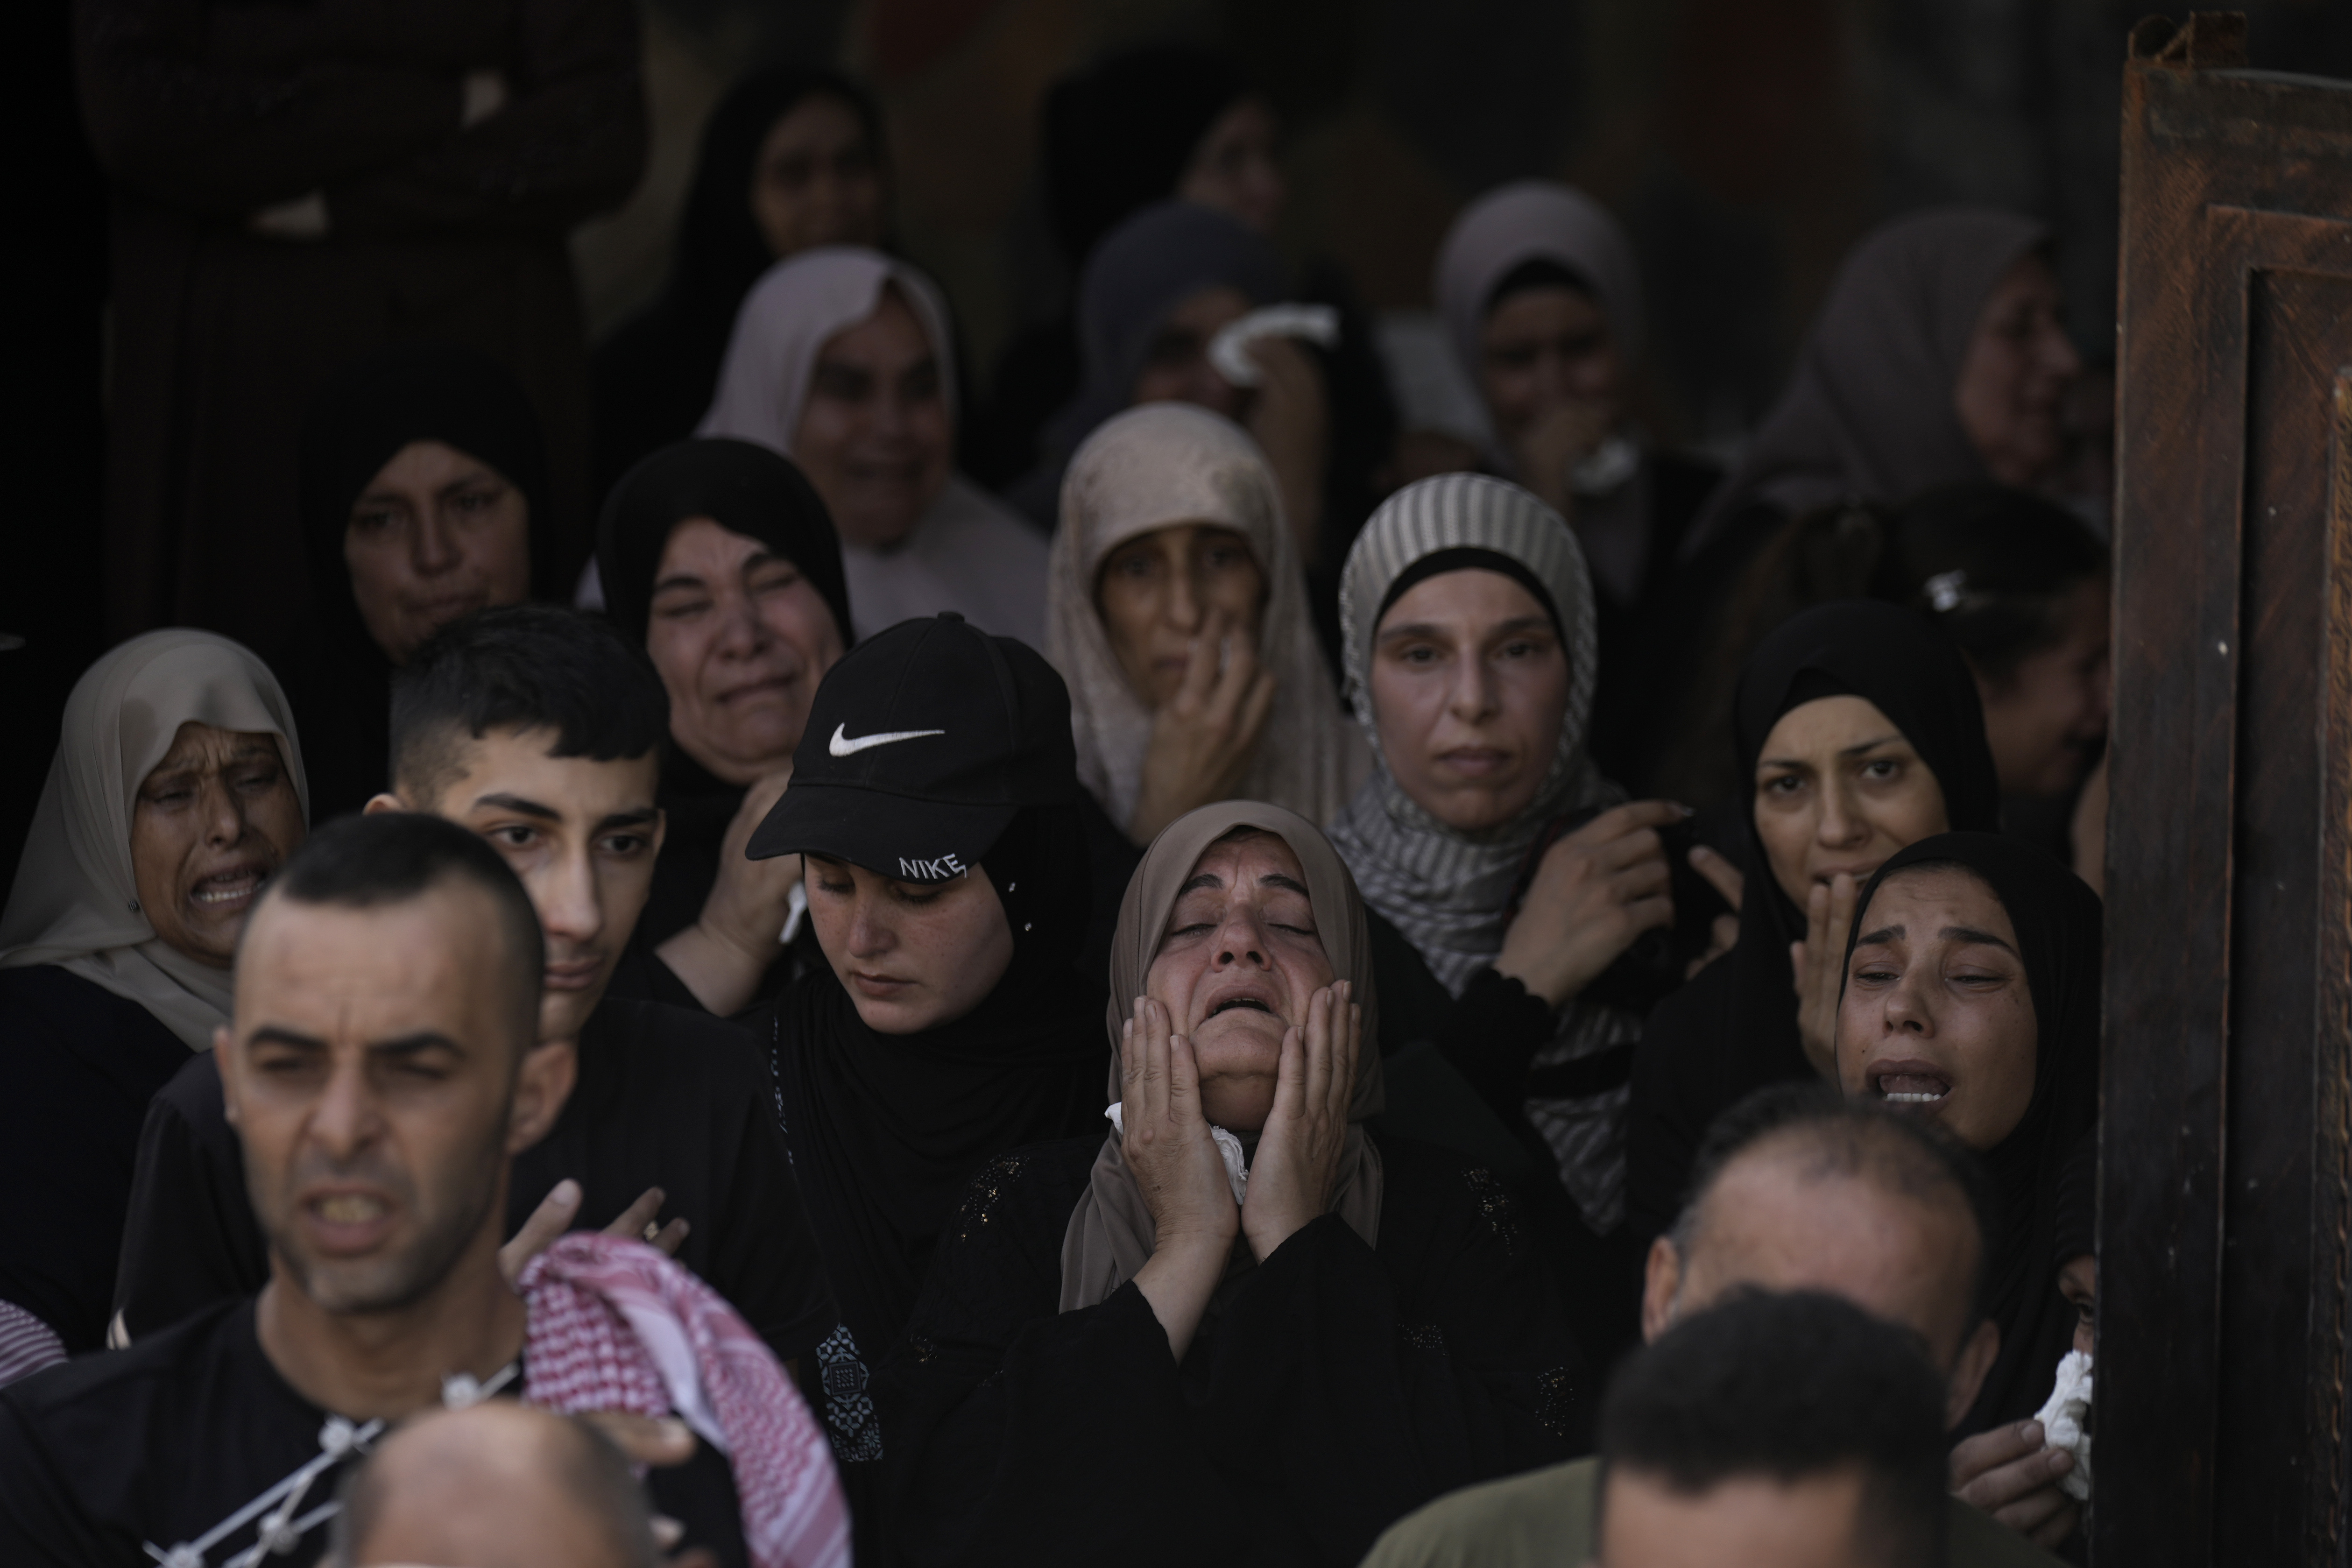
(922, 744)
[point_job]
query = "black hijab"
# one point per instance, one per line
(747, 490)
(357, 422)
(886, 1129)
(656, 375)
(1907, 670)
(2058, 920)
(1118, 137)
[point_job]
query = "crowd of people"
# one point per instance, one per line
(1229, 941)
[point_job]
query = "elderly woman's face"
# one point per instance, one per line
(874, 438)
(436, 535)
(1839, 789)
(212, 822)
(1159, 591)
(818, 180)
(1469, 686)
(1937, 1016)
(1176, 367)
(1239, 962)
(741, 639)
(2011, 393)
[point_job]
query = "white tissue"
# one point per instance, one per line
(1229, 1149)
(1605, 468)
(1227, 350)
(2063, 1421)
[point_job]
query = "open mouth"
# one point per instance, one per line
(1230, 1002)
(227, 889)
(1911, 1085)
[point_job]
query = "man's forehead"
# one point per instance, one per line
(521, 764)
(1773, 1210)
(419, 956)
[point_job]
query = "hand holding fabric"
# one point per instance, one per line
(1818, 964)
(555, 1212)
(1596, 890)
(1165, 1139)
(1298, 1165)
(1203, 738)
(2006, 1473)
(721, 956)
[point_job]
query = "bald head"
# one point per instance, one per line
(498, 1486)
(1805, 1193)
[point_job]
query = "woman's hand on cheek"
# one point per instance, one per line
(1298, 1165)
(1175, 1164)
(1204, 737)
(1819, 966)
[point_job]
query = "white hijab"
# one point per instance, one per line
(76, 900)
(1149, 467)
(969, 553)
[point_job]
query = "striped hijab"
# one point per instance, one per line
(1444, 889)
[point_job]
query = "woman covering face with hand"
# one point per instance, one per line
(1240, 1257)
(719, 558)
(1179, 617)
(423, 498)
(1858, 731)
(176, 792)
(841, 360)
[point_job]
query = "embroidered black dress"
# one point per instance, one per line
(1334, 1388)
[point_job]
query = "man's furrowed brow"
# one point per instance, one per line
(280, 1034)
(518, 805)
(414, 1045)
(639, 816)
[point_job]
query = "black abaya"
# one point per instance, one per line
(1336, 1387)
(1733, 1030)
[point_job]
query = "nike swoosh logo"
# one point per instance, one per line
(841, 745)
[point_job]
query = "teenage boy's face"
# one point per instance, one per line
(582, 835)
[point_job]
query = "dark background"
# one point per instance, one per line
(1746, 142)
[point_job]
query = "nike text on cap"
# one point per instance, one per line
(921, 745)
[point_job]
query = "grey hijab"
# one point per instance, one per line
(1111, 1232)
(76, 900)
(1868, 415)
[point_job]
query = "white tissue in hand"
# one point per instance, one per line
(1229, 1149)
(1228, 351)
(2063, 1421)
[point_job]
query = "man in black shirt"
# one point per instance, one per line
(539, 730)
(381, 1073)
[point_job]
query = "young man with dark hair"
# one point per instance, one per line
(540, 731)
(1774, 1431)
(1794, 1189)
(382, 1070)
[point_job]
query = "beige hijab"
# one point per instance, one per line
(1151, 467)
(1111, 1233)
(76, 901)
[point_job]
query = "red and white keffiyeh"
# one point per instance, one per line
(615, 1325)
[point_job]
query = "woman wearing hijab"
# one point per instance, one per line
(1503, 874)
(1296, 1329)
(177, 790)
(310, 185)
(1972, 999)
(1161, 122)
(792, 159)
(842, 361)
(1939, 356)
(718, 558)
(423, 498)
(1857, 731)
(1540, 291)
(1179, 619)
(934, 802)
